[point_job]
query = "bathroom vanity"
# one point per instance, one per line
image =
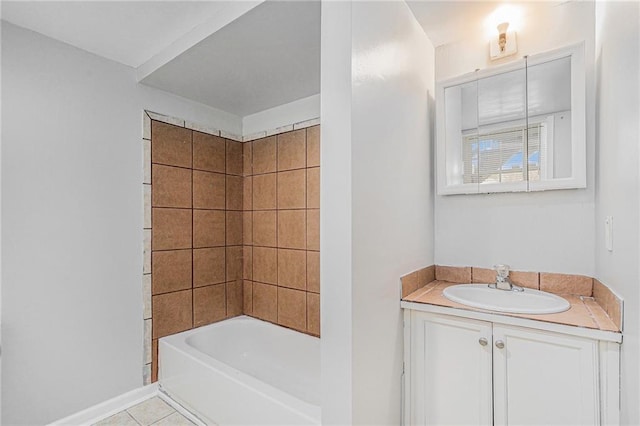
(468, 366)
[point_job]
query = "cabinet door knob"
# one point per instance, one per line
(483, 341)
(499, 344)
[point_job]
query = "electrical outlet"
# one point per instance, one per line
(608, 232)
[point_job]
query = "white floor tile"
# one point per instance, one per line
(175, 419)
(150, 411)
(121, 419)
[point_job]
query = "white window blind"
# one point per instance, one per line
(499, 156)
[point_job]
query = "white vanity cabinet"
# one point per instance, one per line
(467, 371)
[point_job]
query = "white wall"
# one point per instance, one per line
(377, 219)
(617, 177)
(550, 231)
(283, 115)
(72, 221)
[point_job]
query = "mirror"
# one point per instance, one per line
(518, 127)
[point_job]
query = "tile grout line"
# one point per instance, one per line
(193, 232)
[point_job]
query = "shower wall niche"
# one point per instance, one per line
(233, 229)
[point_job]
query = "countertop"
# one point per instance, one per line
(584, 312)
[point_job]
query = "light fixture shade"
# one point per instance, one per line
(504, 45)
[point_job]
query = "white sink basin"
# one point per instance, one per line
(514, 302)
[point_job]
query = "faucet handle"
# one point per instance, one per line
(502, 271)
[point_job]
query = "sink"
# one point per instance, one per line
(515, 302)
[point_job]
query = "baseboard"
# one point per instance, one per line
(108, 408)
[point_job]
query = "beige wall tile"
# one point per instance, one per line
(292, 308)
(234, 228)
(291, 150)
(234, 263)
(313, 271)
(313, 229)
(292, 229)
(209, 228)
(235, 299)
(234, 192)
(313, 146)
(171, 271)
(417, 279)
(209, 190)
(427, 274)
(454, 274)
(264, 192)
(146, 380)
(609, 302)
(265, 302)
(247, 262)
(247, 296)
(209, 304)
(165, 118)
(198, 127)
(171, 313)
(265, 265)
(292, 269)
(146, 254)
(409, 283)
(313, 314)
(292, 189)
(566, 284)
(234, 158)
(154, 360)
(209, 152)
(146, 162)
(147, 341)
(171, 186)
(247, 228)
(247, 158)
(171, 229)
(264, 155)
(525, 279)
(170, 144)
(264, 228)
(247, 193)
(483, 275)
(146, 296)
(313, 188)
(209, 266)
(146, 126)
(146, 191)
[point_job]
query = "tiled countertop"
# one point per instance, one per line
(584, 312)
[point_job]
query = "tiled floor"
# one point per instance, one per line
(153, 411)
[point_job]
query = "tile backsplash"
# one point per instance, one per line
(576, 285)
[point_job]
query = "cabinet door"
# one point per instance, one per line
(543, 378)
(450, 371)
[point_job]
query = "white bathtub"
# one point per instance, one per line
(243, 371)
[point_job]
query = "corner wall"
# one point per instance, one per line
(377, 200)
(617, 178)
(543, 231)
(72, 219)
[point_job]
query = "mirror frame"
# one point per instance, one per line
(578, 178)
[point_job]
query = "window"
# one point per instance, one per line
(498, 156)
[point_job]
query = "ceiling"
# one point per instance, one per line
(268, 57)
(256, 55)
(129, 32)
(451, 21)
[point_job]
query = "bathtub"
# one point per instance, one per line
(243, 371)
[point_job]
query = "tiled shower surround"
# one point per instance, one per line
(282, 229)
(234, 229)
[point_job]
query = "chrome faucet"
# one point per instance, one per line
(502, 279)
